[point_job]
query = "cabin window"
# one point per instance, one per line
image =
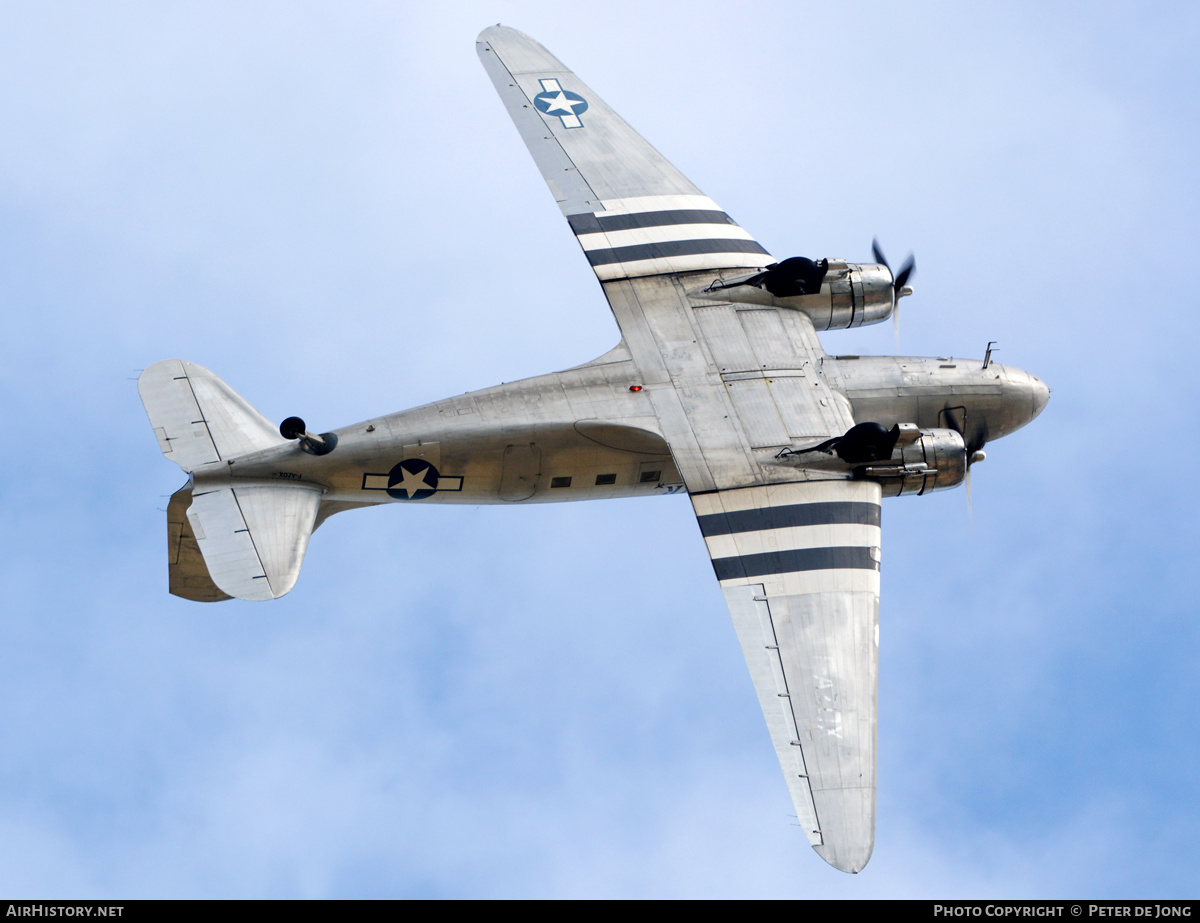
(648, 476)
(605, 479)
(560, 482)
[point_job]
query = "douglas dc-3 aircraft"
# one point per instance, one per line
(718, 389)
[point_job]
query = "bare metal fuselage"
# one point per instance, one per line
(584, 434)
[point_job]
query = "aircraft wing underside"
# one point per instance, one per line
(796, 551)
(799, 567)
(633, 213)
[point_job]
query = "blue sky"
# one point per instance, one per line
(327, 205)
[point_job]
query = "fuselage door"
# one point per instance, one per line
(520, 472)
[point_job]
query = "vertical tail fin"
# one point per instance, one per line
(198, 418)
(243, 541)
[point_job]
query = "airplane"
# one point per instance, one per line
(719, 389)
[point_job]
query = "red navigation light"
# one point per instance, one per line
(635, 387)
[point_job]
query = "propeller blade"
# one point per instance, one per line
(906, 271)
(978, 440)
(879, 257)
(899, 280)
(970, 505)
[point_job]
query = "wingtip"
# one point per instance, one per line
(851, 860)
(505, 39)
(495, 31)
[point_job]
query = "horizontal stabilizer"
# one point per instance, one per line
(188, 576)
(253, 538)
(198, 418)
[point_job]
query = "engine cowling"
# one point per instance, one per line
(833, 293)
(922, 460)
(859, 294)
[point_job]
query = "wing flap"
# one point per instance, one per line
(799, 567)
(726, 379)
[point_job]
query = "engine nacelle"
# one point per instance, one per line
(833, 293)
(922, 460)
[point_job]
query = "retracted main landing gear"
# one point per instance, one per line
(863, 442)
(904, 459)
(294, 428)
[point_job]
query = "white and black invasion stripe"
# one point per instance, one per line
(811, 537)
(651, 235)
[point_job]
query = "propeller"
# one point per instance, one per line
(975, 454)
(899, 282)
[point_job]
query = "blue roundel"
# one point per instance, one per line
(561, 103)
(412, 479)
